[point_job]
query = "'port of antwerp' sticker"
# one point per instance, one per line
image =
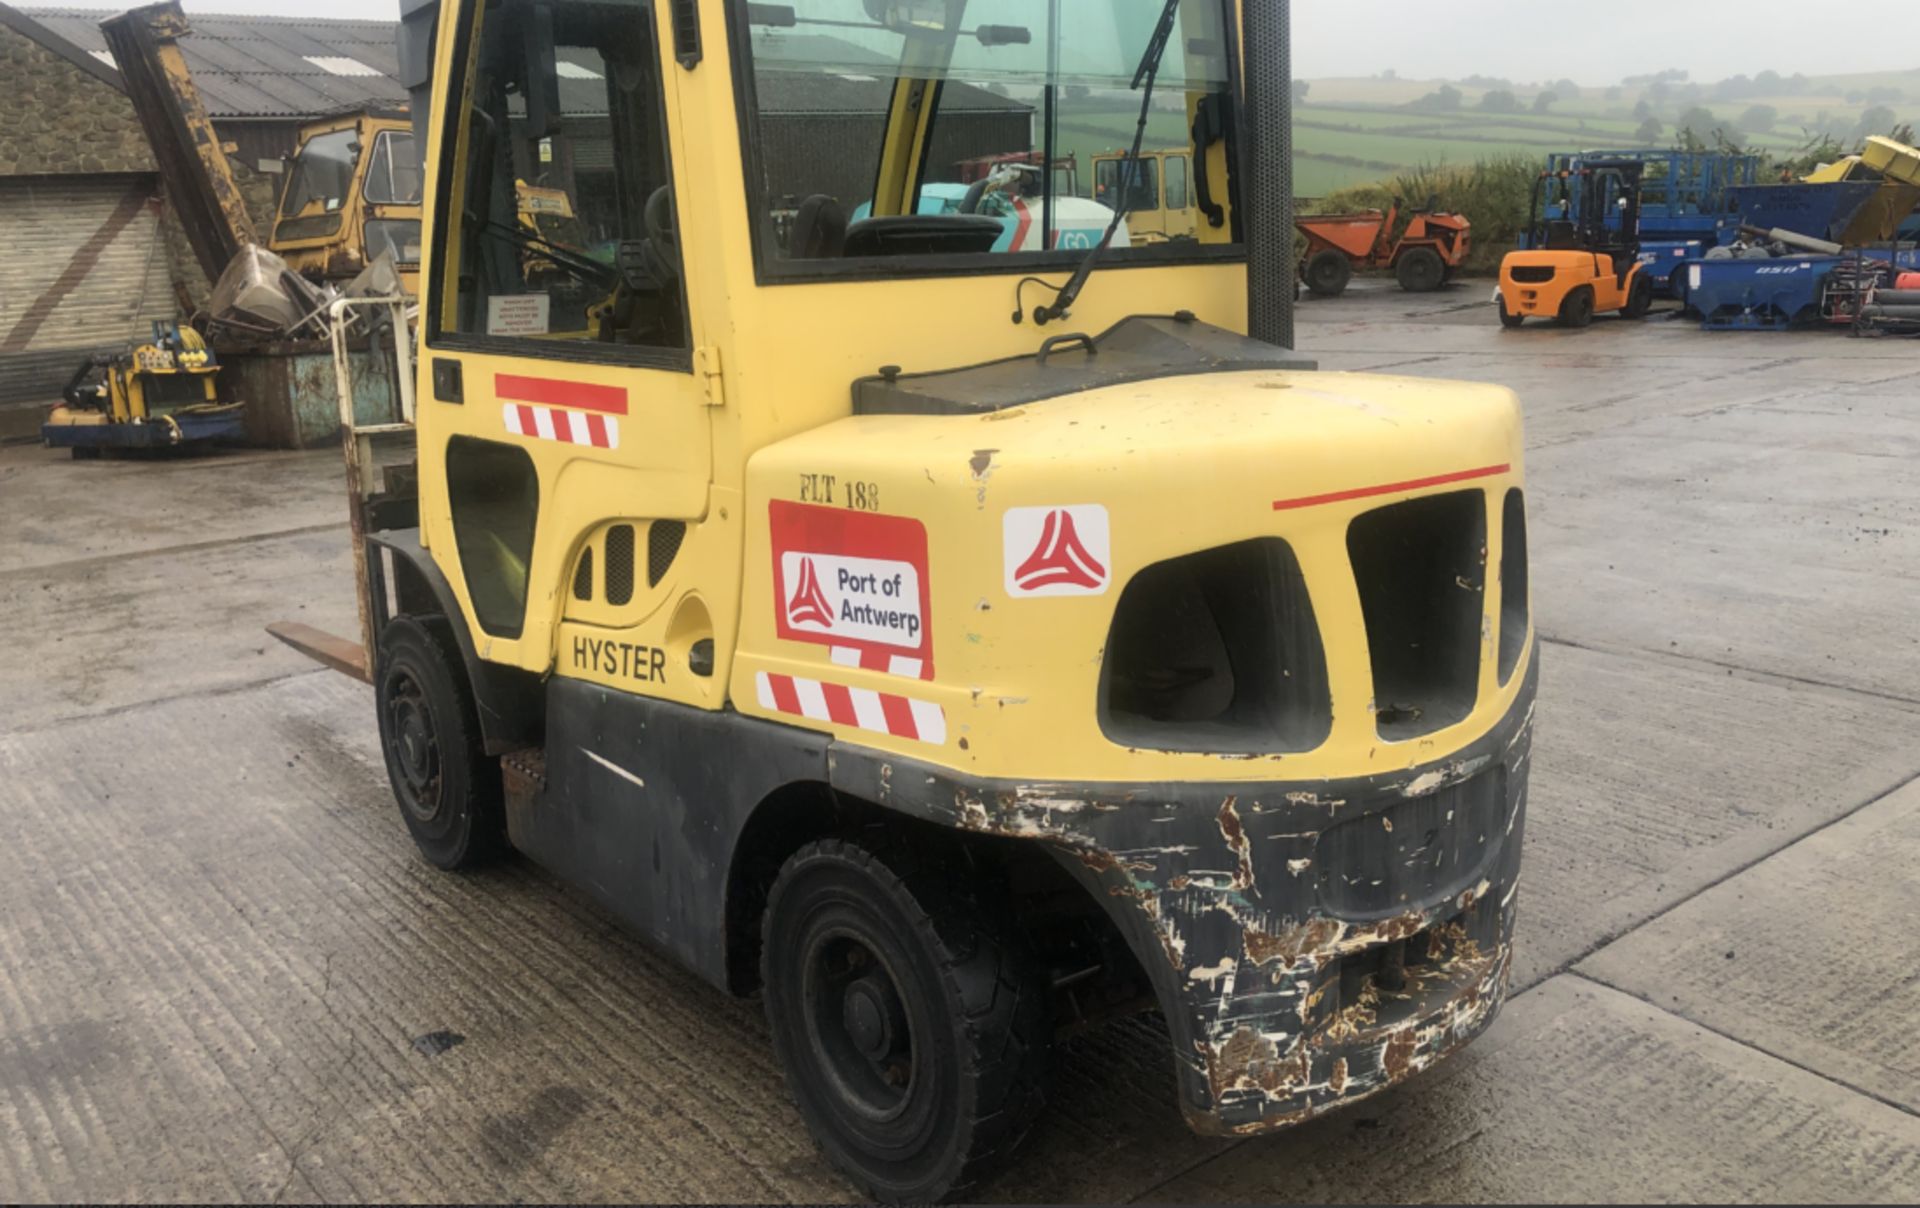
(1058, 551)
(856, 582)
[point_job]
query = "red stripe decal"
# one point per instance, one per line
(840, 704)
(597, 431)
(875, 660)
(1391, 488)
(785, 698)
(562, 427)
(1025, 224)
(529, 423)
(611, 400)
(899, 716)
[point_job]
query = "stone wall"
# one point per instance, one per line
(56, 120)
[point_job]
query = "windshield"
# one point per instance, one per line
(1015, 87)
(322, 173)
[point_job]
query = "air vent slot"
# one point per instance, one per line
(686, 33)
(620, 565)
(1513, 583)
(583, 576)
(1421, 570)
(663, 546)
(1217, 651)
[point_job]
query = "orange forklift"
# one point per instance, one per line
(1568, 268)
(1424, 258)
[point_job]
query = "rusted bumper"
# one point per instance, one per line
(1311, 943)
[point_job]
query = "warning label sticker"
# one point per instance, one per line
(855, 581)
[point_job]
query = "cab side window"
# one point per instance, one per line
(564, 211)
(1176, 182)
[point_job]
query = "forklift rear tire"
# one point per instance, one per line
(913, 1029)
(1421, 270)
(448, 790)
(1510, 318)
(1328, 273)
(1577, 308)
(1639, 297)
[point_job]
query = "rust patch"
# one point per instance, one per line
(1337, 1077)
(1397, 1057)
(1236, 836)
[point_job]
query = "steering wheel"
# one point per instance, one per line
(662, 248)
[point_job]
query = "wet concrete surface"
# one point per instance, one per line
(224, 974)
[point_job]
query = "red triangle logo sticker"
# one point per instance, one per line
(1060, 558)
(809, 604)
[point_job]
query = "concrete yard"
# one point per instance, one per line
(225, 974)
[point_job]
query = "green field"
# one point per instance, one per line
(1352, 132)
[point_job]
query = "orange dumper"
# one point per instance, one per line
(1423, 258)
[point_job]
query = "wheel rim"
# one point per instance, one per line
(414, 746)
(857, 1025)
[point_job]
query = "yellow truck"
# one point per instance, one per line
(951, 678)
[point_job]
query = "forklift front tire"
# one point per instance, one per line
(913, 1029)
(1639, 297)
(1510, 318)
(1577, 309)
(448, 790)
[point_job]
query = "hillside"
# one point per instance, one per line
(1350, 131)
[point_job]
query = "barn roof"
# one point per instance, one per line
(291, 67)
(298, 67)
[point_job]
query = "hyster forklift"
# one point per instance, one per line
(954, 647)
(1570, 267)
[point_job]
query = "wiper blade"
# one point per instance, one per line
(1143, 78)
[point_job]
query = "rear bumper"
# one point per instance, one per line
(1274, 917)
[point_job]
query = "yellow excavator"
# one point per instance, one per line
(350, 191)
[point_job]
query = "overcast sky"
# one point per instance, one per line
(1589, 41)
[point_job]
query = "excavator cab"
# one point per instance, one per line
(351, 193)
(955, 635)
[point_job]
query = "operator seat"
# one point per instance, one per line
(819, 229)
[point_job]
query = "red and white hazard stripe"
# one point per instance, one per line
(567, 427)
(862, 708)
(880, 660)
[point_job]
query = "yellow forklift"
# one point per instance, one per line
(953, 647)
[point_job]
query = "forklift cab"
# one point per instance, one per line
(952, 626)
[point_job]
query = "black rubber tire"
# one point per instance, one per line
(1576, 309)
(954, 981)
(1509, 319)
(1328, 272)
(1421, 270)
(1639, 297)
(1677, 285)
(448, 790)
